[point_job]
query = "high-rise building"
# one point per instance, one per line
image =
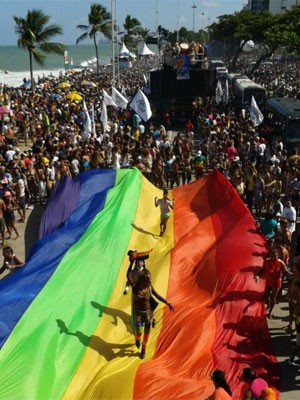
(274, 6)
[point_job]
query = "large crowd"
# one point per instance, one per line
(43, 139)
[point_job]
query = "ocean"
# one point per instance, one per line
(14, 62)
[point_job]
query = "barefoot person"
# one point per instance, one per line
(142, 313)
(273, 269)
(165, 207)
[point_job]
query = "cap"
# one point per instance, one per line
(199, 152)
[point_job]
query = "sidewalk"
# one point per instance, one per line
(29, 234)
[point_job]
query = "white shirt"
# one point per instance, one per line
(290, 214)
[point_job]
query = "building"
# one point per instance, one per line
(274, 6)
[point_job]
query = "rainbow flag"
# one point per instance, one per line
(65, 323)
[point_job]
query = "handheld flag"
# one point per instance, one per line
(140, 104)
(256, 115)
(118, 98)
(104, 118)
(219, 92)
(87, 123)
(107, 99)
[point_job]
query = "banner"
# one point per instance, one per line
(256, 115)
(183, 67)
(140, 104)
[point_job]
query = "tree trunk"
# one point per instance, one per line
(97, 55)
(268, 54)
(31, 72)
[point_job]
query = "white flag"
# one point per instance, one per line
(104, 118)
(118, 98)
(87, 123)
(140, 104)
(219, 92)
(256, 115)
(93, 121)
(107, 99)
(226, 95)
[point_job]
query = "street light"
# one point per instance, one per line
(194, 8)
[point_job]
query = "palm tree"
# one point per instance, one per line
(99, 20)
(144, 34)
(132, 28)
(33, 35)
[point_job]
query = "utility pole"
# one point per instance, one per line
(113, 9)
(177, 36)
(194, 8)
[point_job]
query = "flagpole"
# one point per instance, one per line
(117, 43)
(113, 41)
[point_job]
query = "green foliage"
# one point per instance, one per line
(99, 21)
(133, 29)
(268, 31)
(34, 35)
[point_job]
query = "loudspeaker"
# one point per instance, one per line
(164, 84)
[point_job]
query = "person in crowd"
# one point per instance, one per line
(165, 205)
(199, 163)
(9, 213)
(142, 290)
(268, 226)
(222, 390)
(255, 384)
(273, 269)
(10, 260)
(289, 213)
(293, 294)
(2, 221)
(136, 259)
(268, 394)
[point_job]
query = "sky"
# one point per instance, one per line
(170, 14)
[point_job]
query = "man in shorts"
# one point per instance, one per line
(165, 205)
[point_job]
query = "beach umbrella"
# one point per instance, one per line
(74, 96)
(4, 110)
(55, 96)
(64, 85)
(88, 83)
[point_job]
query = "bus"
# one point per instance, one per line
(245, 88)
(283, 115)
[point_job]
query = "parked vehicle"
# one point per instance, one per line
(245, 88)
(283, 115)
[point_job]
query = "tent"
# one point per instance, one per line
(145, 51)
(124, 51)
